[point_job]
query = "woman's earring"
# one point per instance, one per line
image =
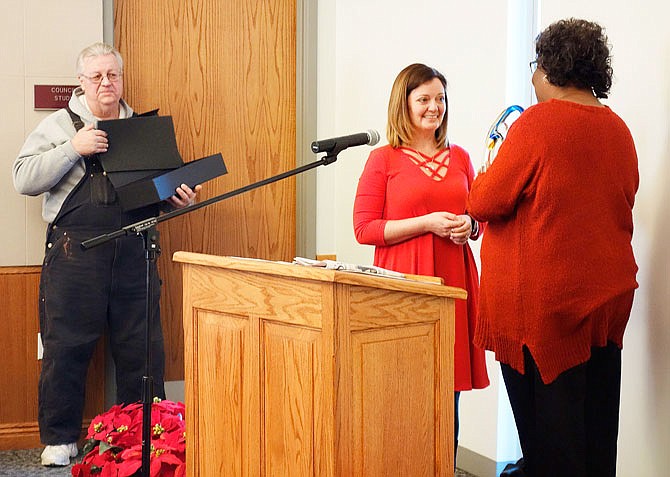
(545, 79)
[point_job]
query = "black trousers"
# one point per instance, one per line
(570, 426)
(84, 294)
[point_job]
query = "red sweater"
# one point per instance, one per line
(558, 200)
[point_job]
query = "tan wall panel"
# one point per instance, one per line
(225, 71)
(19, 344)
(19, 373)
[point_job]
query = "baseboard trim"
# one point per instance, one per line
(26, 435)
(477, 464)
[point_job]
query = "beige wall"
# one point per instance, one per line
(40, 41)
(361, 46)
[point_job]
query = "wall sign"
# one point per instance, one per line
(52, 96)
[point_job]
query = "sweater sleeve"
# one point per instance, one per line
(369, 203)
(495, 193)
(46, 156)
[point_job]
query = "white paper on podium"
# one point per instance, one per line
(348, 267)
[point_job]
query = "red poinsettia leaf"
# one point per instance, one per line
(172, 407)
(81, 470)
(116, 408)
(127, 440)
(159, 468)
(155, 469)
(132, 407)
(172, 440)
(89, 455)
(91, 429)
(132, 453)
(122, 420)
(116, 441)
(171, 423)
(168, 458)
(129, 467)
(180, 471)
(99, 460)
(110, 470)
(99, 431)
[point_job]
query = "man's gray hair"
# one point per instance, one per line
(98, 49)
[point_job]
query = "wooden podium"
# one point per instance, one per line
(296, 371)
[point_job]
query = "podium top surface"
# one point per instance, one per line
(289, 270)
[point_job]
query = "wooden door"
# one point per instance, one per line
(225, 71)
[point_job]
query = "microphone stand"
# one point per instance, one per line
(147, 229)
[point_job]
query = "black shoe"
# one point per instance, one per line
(514, 470)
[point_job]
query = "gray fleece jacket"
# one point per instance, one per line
(47, 163)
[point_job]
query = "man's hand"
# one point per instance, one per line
(184, 196)
(89, 140)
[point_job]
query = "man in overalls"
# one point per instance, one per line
(84, 293)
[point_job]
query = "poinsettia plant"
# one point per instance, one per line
(114, 442)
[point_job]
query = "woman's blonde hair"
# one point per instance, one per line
(399, 123)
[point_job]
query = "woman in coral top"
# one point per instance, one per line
(410, 204)
(558, 271)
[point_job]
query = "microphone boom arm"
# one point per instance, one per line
(138, 227)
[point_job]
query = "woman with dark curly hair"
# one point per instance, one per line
(558, 271)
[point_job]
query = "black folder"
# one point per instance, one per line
(144, 164)
(155, 189)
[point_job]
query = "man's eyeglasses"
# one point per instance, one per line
(112, 77)
(533, 66)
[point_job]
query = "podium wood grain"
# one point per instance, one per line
(295, 371)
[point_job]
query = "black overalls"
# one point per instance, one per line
(85, 293)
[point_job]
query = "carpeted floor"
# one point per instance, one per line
(26, 463)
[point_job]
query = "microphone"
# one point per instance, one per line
(337, 144)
